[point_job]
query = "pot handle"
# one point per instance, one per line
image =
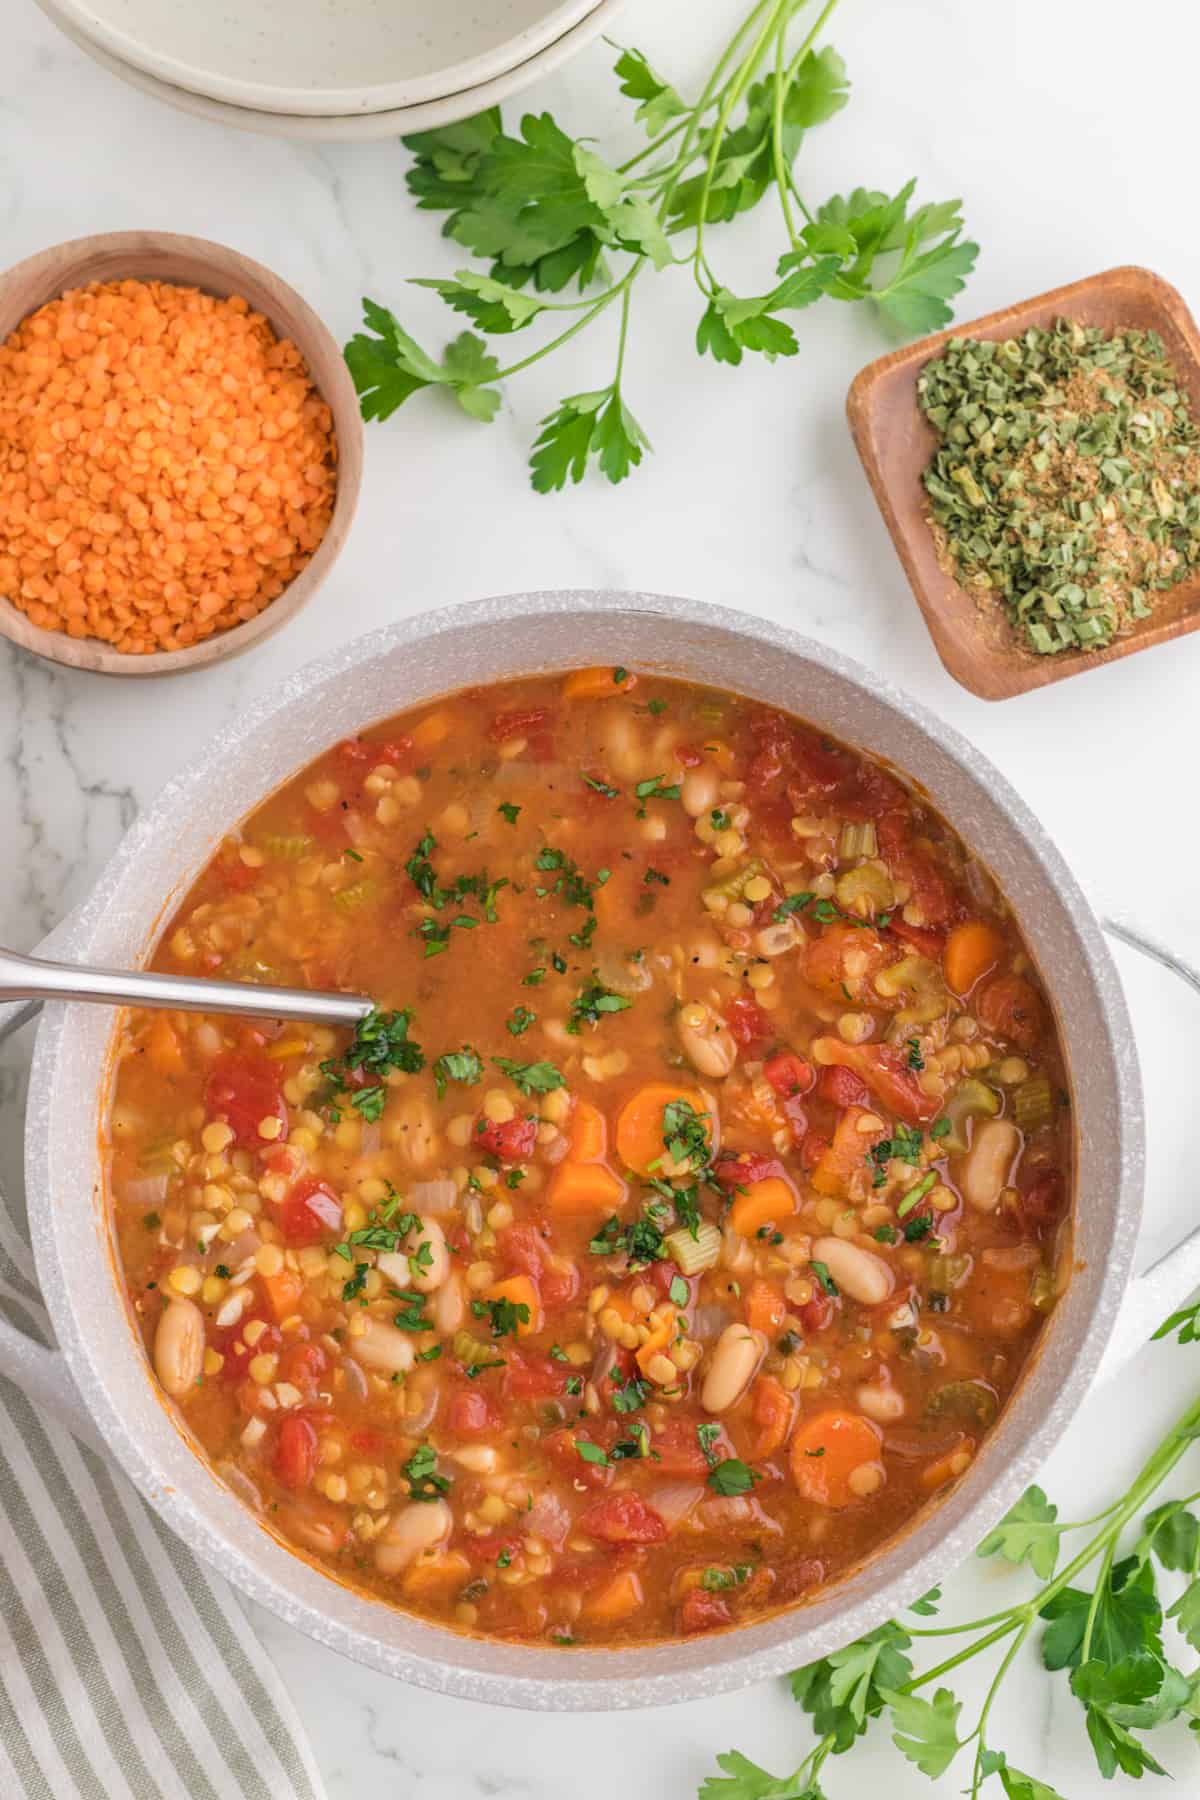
(1155, 1294)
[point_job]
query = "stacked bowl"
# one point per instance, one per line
(332, 69)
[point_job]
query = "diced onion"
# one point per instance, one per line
(433, 1197)
(674, 1500)
(147, 1193)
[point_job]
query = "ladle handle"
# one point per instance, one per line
(29, 978)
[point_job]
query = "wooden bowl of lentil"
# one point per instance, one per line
(326, 425)
(896, 443)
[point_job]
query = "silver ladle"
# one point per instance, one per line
(29, 978)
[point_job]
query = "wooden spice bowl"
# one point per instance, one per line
(895, 442)
(194, 262)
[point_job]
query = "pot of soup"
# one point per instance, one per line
(704, 1241)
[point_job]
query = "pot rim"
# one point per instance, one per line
(595, 1679)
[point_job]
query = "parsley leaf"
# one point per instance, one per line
(594, 426)
(520, 1019)
(420, 1473)
(530, 1078)
(1028, 1532)
(593, 1002)
(388, 367)
(732, 1476)
(926, 1730)
(457, 1065)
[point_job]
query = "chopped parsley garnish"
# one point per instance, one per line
(222, 1273)
(884, 1234)
(679, 1291)
(721, 821)
(458, 1065)
(713, 1580)
(620, 675)
(353, 1288)
(591, 1453)
(631, 1396)
(732, 1476)
(601, 787)
(821, 1271)
(653, 789)
(353, 855)
(556, 1353)
(530, 1078)
(793, 904)
(905, 1147)
(940, 1128)
(420, 1471)
(534, 978)
(557, 964)
(513, 1179)
(411, 1317)
(151, 1220)
(656, 875)
(642, 1241)
(918, 1228)
(503, 1315)
(708, 1434)
(592, 1002)
(430, 1355)
(424, 878)
(474, 1369)
(510, 812)
(504, 1558)
(520, 1019)
(380, 1044)
(915, 1059)
(656, 707)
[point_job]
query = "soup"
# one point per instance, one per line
(678, 1224)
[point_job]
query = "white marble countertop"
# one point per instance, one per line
(1071, 143)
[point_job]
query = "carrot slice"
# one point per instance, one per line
(587, 1138)
(436, 1574)
(971, 950)
(825, 1452)
(578, 1187)
(163, 1047)
(616, 1599)
(655, 1344)
(763, 1203)
(283, 1292)
(640, 1123)
(522, 1291)
(766, 1308)
(597, 684)
(772, 1409)
(948, 1467)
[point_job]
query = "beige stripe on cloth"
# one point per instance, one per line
(127, 1669)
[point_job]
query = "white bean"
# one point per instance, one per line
(698, 790)
(384, 1348)
(481, 1459)
(883, 1404)
(733, 1366)
(414, 1133)
(865, 1277)
(989, 1162)
(450, 1307)
(423, 1525)
(706, 1040)
(179, 1347)
(410, 1266)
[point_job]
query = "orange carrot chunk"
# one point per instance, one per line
(617, 1599)
(283, 1292)
(972, 950)
(579, 1187)
(587, 1138)
(846, 1155)
(825, 1452)
(598, 684)
(766, 1308)
(772, 1408)
(763, 1203)
(640, 1123)
(163, 1047)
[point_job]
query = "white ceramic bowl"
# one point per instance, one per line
(326, 57)
(348, 127)
(405, 665)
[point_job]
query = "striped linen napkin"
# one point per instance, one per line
(127, 1670)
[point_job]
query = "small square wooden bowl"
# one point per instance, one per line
(895, 442)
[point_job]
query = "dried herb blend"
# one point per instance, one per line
(1067, 483)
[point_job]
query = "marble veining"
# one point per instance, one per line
(754, 499)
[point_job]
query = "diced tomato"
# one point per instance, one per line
(518, 724)
(230, 1341)
(234, 875)
(1012, 1008)
(928, 943)
(747, 1021)
(512, 1142)
(812, 1149)
(771, 733)
(742, 1168)
(296, 1451)
(679, 1448)
(303, 1365)
(820, 767)
(576, 1574)
(1043, 1200)
(798, 1577)
(559, 1287)
(932, 895)
(788, 1073)
(702, 1611)
(842, 1165)
(841, 1088)
(311, 1213)
(243, 1090)
(816, 1313)
(529, 1376)
(623, 1519)
(490, 1546)
(825, 960)
(886, 1071)
(689, 758)
(470, 1411)
(560, 1448)
(362, 754)
(523, 1249)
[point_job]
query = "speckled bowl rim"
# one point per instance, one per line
(944, 1535)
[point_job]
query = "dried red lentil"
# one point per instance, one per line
(166, 465)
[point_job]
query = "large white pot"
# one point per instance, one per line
(403, 666)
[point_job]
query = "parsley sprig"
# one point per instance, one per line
(380, 1044)
(1107, 1640)
(543, 211)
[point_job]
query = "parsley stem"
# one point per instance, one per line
(584, 319)
(624, 333)
(1006, 1662)
(783, 81)
(706, 100)
(778, 13)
